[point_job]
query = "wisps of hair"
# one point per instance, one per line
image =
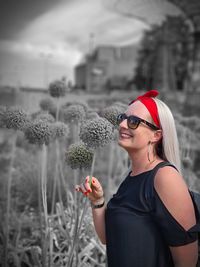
(170, 144)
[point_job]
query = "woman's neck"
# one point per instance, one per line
(140, 162)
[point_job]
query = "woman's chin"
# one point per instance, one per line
(123, 142)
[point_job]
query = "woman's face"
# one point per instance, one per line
(138, 138)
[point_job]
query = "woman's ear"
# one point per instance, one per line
(157, 136)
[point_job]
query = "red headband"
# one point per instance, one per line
(150, 104)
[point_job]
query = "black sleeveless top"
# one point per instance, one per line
(139, 228)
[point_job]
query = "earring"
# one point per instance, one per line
(149, 151)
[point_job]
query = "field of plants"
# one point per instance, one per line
(43, 155)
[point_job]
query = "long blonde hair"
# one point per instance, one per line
(170, 144)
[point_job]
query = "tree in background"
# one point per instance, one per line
(164, 55)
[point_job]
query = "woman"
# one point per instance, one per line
(150, 221)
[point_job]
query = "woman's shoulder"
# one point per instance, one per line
(173, 192)
(168, 183)
(168, 176)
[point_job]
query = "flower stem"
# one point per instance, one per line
(77, 230)
(55, 178)
(110, 168)
(44, 200)
(9, 199)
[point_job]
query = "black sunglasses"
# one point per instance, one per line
(133, 121)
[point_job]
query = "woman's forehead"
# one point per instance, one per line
(138, 109)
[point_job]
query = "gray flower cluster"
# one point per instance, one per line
(15, 118)
(39, 132)
(73, 113)
(57, 88)
(121, 105)
(77, 103)
(45, 117)
(60, 129)
(47, 104)
(96, 133)
(111, 113)
(92, 115)
(78, 156)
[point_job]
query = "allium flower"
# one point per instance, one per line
(96, 133)
(78, 156)
(80, 103)
(73, 113)
(92, 115)
(60, 129)
(47, 104)
(45, 117)
(15, 118)
(111, 113)
(57, 88)
(39, 132)
(121, 105)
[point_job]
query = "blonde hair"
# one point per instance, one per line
(170, 144)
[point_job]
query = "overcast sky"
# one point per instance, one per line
(42, 40)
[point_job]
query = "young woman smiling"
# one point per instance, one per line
(151, 220)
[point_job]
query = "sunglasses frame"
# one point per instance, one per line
(121, 117)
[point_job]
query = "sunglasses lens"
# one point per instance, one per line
(120, 118)
(133, 122)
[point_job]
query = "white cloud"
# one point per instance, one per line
(64, 31)
(62, 34)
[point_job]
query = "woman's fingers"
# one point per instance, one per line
(87, 184)
(81, 188)
(91, 185)
(95, 184)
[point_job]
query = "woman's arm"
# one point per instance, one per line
(185, 256)
(174, 194)
(99, 223)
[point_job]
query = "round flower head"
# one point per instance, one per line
(111, 113)
(121, 105)
(92, 115)
(15, 118)
(78, 156)
(57, 88)
(73, 113)
(39, 132)
(96, 133)
(80, 103)
(45, 117)
(47, 104)
(60, 129)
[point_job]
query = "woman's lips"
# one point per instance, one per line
(125, 135)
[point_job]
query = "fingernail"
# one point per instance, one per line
(93, 181)
(85, 193)
(89, 191)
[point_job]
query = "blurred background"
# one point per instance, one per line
(63, 64)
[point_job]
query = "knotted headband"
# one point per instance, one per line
(147, 100)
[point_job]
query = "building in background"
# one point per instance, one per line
(106, 66)
(10, 96)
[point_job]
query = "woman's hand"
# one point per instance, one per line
(92, 189)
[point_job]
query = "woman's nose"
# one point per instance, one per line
(124, 124)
